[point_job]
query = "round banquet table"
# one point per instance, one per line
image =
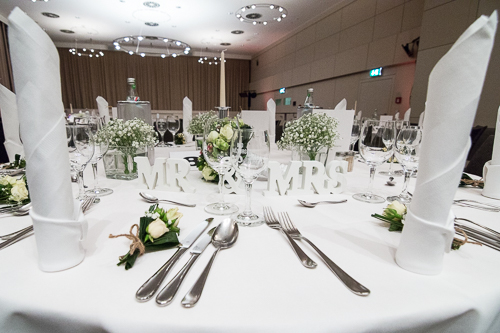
(258, 285)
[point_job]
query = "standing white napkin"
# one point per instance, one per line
(396, 116)
(10, 123)
(187, 116)
(491, 171)
(421, 119)
(359, 115)
(57, 218)
(407, 115)
(271, 109)
(453, 93)
(102, 106)
(342, 105)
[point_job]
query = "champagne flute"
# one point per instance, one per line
(161, 127)
(375, 147)
(398, 125)
(79, 157)
(217, 138)
(407, 152)
(101, 145)
(250, 151)
(173, 125)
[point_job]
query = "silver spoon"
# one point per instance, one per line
(391, 182)
(152, 199)
(224, 237)
(313, 204)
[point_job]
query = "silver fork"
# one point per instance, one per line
(272, 222)
(26, 232)
(350, 283)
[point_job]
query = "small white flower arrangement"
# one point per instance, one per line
(197, 124)
(13, 190)
(310, 133)
(131, 133)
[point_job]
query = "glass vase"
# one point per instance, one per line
(119, 162)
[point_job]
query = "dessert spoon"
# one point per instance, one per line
(314, 204)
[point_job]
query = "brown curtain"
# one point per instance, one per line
(163, 82)
(5, 66)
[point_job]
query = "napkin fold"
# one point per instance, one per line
(359, 115)
(491, 170)
(10, 123)
(342, 105)
(271, 109)
(455, 85)
(59, 227)
(407, 115)
(421, 119)
(187, 116)
(102, 106)
(396, 116)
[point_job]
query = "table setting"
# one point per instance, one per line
(306, 246)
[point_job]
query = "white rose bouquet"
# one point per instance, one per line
(156, 231)
(13, 190)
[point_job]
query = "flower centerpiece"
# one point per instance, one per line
(126, 139)
(157, 230)
(13, 190)
(311, 136)
(180, 139)
(197, 125)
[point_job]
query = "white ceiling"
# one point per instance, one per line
(200, 23)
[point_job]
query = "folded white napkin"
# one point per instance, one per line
(102, 106)
(491, 170)
(421, 119)
(10, 123)
(407, 115)
(187, 115)
(453, 93)
(359, 115)
(342, 105)
(35, 64)
(396, 116)
(114, 112)
(271, 109)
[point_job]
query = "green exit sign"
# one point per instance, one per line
(376, 72)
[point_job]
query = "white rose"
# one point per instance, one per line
(212, 136)
(398, 207)
(18, 193)
(227, 131)
(157, 228)
(206, 172)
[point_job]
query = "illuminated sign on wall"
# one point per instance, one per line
(282, 90)
(376, 72)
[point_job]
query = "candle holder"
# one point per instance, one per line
(223, 111)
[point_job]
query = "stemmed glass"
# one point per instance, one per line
(407, 152)
(161, 127)
(173, 126)
(375, 146)
(250, 151)
(356, 128)
(101, 145)
(217, 138)
(81, 150)
(398, 124)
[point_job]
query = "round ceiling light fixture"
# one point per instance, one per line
(151, 24)
(86, 51)
(261, 14)
(152, 46)
(151, 4)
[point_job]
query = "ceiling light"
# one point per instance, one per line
(225, 44)
(261, 14)
(152, 46)
(151, 24)
(90, 52)
(66, 31)
(51, 15)
(237, 32)
(151, 4)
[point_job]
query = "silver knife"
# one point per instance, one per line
(149, 288)
(167, 294)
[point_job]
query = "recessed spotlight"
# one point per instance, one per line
(151, 24)
(151, 4)
(225, 44)
(237, 32)
(67, 31)
(51, 15)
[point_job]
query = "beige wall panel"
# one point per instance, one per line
(288, 61)
(322, 69)
(384, 5)
(429, 4)
(404, 38)
(267, 57)
(413, 13)
(304, 56)
(381, 52)
(301, 74)
(328, 26)
(351, 61)
(388, 23)
(357, 35)
(324, 94)
(305, 37)
(326, 47)
(357, 12)
(403, 83)
(347, 87)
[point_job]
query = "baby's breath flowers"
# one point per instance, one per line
(131, 133)
(310, 133)
(197, 124)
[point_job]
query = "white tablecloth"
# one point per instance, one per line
(258, 285)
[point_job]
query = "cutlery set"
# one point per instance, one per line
(221, 237)
(486, 236)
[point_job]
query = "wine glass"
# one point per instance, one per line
(250, 151)
(161, 127)
(375, 147)
(356, 127)
(101, 145)
(407, 152)
(217, 137)
(173, 125)
(398, 125)
(81, 153)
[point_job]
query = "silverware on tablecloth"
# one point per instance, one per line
(314, 204)
(486, 236)
(224, 236)
(152, 199)
(273, 222)
(20, 209)
(167, 294)
(149, 288)
(476, 204)
(350, 283)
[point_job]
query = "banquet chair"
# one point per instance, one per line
(476, 137)
(480, 157)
